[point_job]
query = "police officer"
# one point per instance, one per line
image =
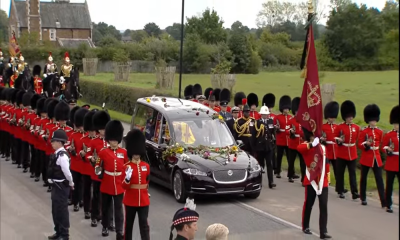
(264, 139)
(136, 198)
(225, 97)
(185, 222)
(60, 176)
(244, 128)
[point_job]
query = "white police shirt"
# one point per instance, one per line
(63, 161)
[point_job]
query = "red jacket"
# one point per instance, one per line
(331, 147)
(86, 166)
(73, 142)
(255, 115)
(308, 156)
(348, 150)
(282, 132)
(10, 114)
(17, 129)
(48, 131)
(136, 194)
(39, 131)
(368, 157)
(294, 142)
(30, 117)
(96, 144)
(391, 139)
(114, 171)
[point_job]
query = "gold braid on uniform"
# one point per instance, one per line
(260, 130)
(242, 128)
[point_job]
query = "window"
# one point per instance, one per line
(148, 121)
(52, 34)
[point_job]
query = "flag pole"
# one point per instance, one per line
(181, 50)
(310, 19)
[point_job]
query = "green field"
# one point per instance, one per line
(361, 87)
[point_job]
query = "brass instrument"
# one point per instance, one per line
(72, 148)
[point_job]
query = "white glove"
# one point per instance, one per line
(45, 75)
(62, 80)
(315, 142)
(128, 174)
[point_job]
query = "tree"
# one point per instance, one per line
(240, 46)
(3, 26)
(238, 27)
(139, 35)
(390, 15)
(127, 33)
(102, 30)
(152, 29)
(174, 31)
(209, 27)
(337, 4)
(195, 55)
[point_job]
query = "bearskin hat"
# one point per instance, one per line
(51, 108)
(88, 120)
(207, 92)
(225, 95)
(79, 117)
(252, 99)
(197, 90)
(269, 100)
(307, 134)
(100, 120)
(114, 131)
(348, 109)
(188, 92)
(295, 105)
(20, 96)
(40, 106)
(238, 98)
(331, 110)
(61, 111)
(34, 100)
(36, 70)
(394, 115)
(285, 103)
(371, 113)
(26, 99)
(135, 143)
(216, 93)
(46, 104)
(72, 114)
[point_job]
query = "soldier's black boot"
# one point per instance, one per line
(94, 223)
(355, 196)
(76, 208)
(111, 227)
(341, 195)
(120, 236)
(364, 203)
(87, 215)
(37, 179)
(25, 170)
(307, 231)
(325, 236)
(53, 237)
(45, 184)
(49, 189)
(32, 175)
(19, 166)
(389, 210)
(296, 176)
(105, 232)
(291, 180)
(7, 159)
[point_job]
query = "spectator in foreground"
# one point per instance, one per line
(217, 231)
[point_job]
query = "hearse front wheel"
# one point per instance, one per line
(179, 187)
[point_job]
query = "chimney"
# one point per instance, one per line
(33, 15)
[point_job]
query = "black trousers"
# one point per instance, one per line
(12, 143)
(266, 157)
(130, 214)
(39, 163)
(33, 159)
(24, 154)
(310, 196)
(106, 204)
(16, 151)
(291, 159)
(95, 211)
(333, 163)
(87, 192)
(341, 167)
(6, 144)
(390, 176)
(44, 166)
(59, 208)
(274, 158)
(78, 181)
(3, 141)
(279, 156)
(378, 179)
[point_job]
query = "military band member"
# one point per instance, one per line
(197, 91)
(225, 97)
(188, 92)
(264, 139)
(211, 103)
(67, 69)
(61, 177)
(295, 137)
(185, 222)
(369, 141)
(240, 100)
(390, 145)
(346, 135)
(207, 94)
(315, 188)
(110, 168)
(230, 123)
(281, 122)
(244, 128)
(37, 83)
(216, 92)
(252, 101)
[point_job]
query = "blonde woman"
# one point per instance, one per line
(217, 231)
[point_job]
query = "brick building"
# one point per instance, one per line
(64, 23)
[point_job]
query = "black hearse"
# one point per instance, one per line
(191, 150)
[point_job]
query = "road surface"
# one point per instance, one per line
(276, 214)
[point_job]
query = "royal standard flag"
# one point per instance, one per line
(13, 47)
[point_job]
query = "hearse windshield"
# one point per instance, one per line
(206, 132)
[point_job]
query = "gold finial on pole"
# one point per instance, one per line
(310, 7)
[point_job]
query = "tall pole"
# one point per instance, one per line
(181, 50)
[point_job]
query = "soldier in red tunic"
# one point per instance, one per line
(212, 103)
(110, 167)
(25, 153)
(331, 112)
(20, 144)
(295, 137)
(252, 101)
(197, 91)
(315, 188)
(240, 100)
(281, 122)
(136, 199)
(30, 119)
(207, 94)
(188, 92)
(369, 141)
(346, 135)
(216, 92)
(390, 145)
(36, 80)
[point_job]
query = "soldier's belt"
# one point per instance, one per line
(374, 148)
(297, 135)
(138, 186)
(349, 144)
(329, 142)
(395, 153)
(282, 130)
(115, 174)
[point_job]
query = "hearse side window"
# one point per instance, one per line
(145, 120)
(165, 134)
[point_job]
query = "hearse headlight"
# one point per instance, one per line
(256, 168)
(194, 172)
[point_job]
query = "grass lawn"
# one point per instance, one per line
(360, 87)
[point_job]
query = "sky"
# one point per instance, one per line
(130, 14)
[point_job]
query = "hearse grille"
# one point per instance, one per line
(230, 176)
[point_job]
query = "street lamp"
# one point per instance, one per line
(181, 50)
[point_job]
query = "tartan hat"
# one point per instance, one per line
(184, 215)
